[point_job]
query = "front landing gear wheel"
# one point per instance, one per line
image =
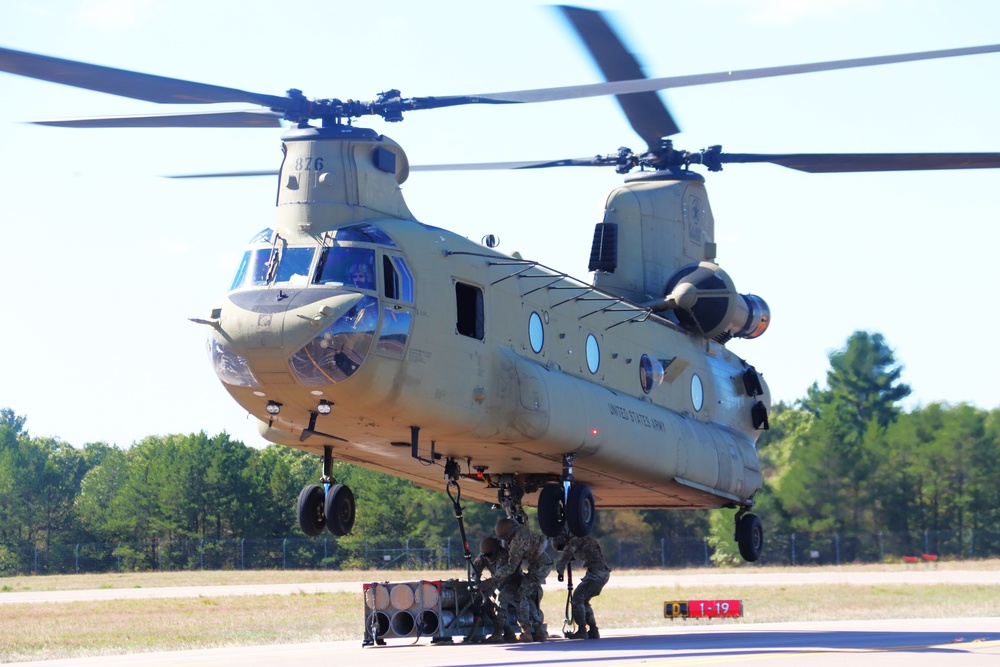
(311, 517)
(551, 510)
(750, 537)
(339, 509)
(580, 510)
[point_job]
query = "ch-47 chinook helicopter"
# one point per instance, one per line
(356, 332)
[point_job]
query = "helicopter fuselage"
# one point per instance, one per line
(351, 323)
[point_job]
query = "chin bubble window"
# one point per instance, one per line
(339, 350)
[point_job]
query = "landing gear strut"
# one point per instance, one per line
(509, 497)
(330, 505)
(749, 535)
(566, 505)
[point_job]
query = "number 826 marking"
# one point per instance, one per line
(309, 163)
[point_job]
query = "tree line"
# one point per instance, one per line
(843, 460)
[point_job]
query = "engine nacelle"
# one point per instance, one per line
(703, 298)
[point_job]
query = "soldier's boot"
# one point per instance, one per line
(581, 627)
(592, 633)
(497, 636)
(509, 635)
(540, 634)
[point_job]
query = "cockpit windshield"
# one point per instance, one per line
(293, 266)
(346, 266)
(269, 260)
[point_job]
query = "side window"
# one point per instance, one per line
(390, 279)
(471, 317)
(396, 279)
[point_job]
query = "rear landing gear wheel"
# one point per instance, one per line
(750, 537)
(311, 517)
(339, 509)
(551, 510)
(580, 510)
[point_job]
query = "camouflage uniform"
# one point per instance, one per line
(527, 549)
(503, 611)
(585, 549)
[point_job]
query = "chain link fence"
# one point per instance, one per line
(297, 553)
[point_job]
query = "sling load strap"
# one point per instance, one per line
(568, 622)
(476, 602)
(456, 500)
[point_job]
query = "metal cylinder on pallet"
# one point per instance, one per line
(428, 622)
(379, 622)
(402, 624)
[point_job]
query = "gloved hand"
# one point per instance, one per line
(560, 577)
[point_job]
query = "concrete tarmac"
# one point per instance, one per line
(911, 642)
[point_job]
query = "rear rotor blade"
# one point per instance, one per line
(646, 112)
(527, 164)
(664, 83)
(817, 163)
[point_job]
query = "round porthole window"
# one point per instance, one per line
(650, 373)
(593, 353)
(536, 333)
(697, 393)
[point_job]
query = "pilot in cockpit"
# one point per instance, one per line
(361, 276)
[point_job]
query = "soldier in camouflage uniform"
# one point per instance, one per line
(525, 549)
(493, 556)
(584, 549)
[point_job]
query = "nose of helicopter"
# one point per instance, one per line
(263, 324)
(313, 338)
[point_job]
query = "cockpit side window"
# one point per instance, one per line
(390, 279)
(346, 266)
(397, 283)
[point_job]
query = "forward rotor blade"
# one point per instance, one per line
(160, 89)
(664, 83)
(460, 166)
(127, 83)
(646, 112)
(228, 174)
(818, 163)
(253, 118)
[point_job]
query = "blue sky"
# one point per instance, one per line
(105, 260)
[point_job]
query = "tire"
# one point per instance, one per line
(580, 510)
(339, 508)
(551, 510)
(311, 516)
(750, 537)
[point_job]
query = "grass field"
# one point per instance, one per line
(42, 631)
